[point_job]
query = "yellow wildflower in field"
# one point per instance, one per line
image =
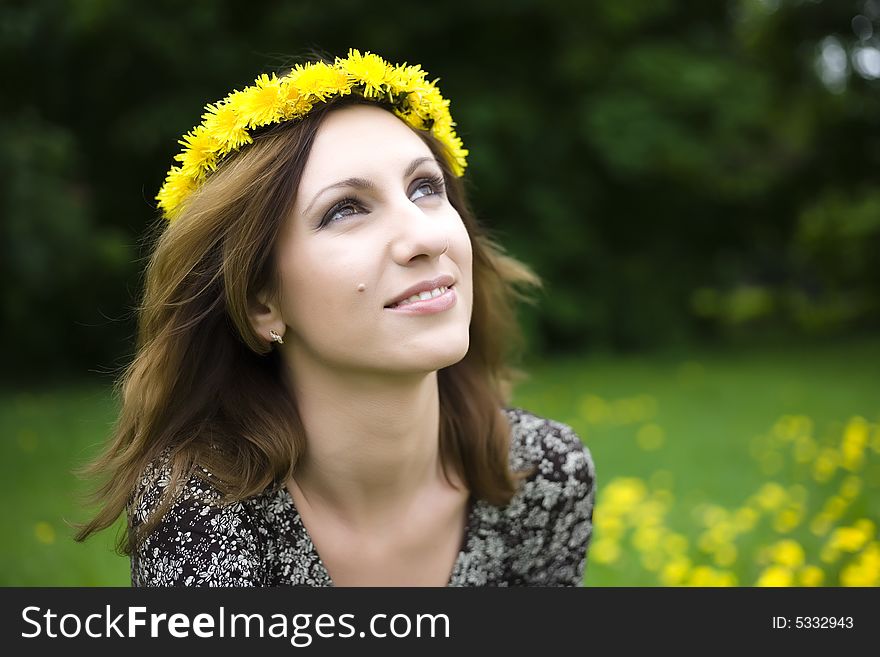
(825, 465)
(708, 576)
(675, 571)
(771, 496)
(605, 550)
(788, 518)
(744, 519)
(725, 555)
(623, 494)
(852, 447)
(775, 576)
(864, 570)
(788, 553)
(811, 576)
(608, 525)
(850, 487)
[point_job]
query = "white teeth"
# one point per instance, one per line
(422, 296)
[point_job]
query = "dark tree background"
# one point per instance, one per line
(675, 170)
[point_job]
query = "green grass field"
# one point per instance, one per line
(693, 431)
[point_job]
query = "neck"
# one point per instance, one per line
(373, 440)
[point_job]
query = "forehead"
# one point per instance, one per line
(360, 141)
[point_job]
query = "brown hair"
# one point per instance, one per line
(207, 389)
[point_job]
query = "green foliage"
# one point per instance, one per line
(642, 157)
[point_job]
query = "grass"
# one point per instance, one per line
(698, 413)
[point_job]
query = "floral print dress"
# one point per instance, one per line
(540, 538)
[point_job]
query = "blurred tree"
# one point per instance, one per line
(670, 168)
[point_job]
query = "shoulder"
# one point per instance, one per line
(552, 449)
(197, 539)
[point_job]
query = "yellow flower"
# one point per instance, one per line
(775, 576)
(850, 487)
(788, 553)
(403, 78)
(725, 555)
(825, 465)
(855, 439)
(317, 79)
(605, 551)
(200, 153)
(369, 69)
(177, 187)
(811, 576)
(675, 571)
(263, 103)
(227, 126)
(771, 496)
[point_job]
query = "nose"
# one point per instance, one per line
(417, 234)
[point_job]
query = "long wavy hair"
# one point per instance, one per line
(205, 388)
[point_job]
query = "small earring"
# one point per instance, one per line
(276, 338)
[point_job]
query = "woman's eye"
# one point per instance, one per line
(428, 187)
(341, 210)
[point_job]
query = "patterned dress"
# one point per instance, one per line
(540, 538)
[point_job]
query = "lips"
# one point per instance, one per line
(424, 286)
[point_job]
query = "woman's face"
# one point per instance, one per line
(371, 212)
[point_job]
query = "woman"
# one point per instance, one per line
(319, 391)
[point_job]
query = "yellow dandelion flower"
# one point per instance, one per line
(176, 189)
(744, 519)
(646, 539)
(403, 78)
(788, 553)
(850, 487)
(199, 156)
(318, 80)
(787, 519)
(227, 127)
(847, 539)
(623, 494)
(775, 576)
(811, 576)
(855, 440)
(675, 544)
(263, 103)
(369, 69)
(864, 570)
(609, 525)
(605, 551)
(675, 571)
(703, 576)
(825, 465)
(771, 496)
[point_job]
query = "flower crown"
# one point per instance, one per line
(226, 125)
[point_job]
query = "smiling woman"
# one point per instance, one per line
(320, 390)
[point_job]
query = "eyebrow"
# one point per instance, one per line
(363, 183)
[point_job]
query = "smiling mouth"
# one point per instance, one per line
(422, 296)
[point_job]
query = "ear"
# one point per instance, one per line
(265, 316)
